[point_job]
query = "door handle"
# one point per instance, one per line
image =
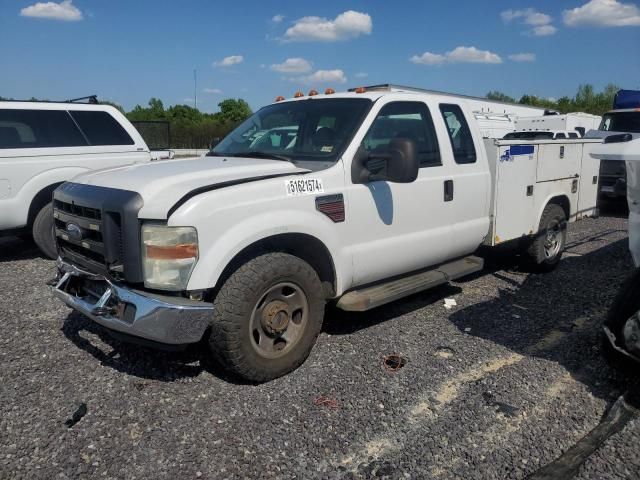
(448, 190)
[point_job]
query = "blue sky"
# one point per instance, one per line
(129, 51)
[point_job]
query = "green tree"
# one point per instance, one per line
(233, 110)
(500, 97)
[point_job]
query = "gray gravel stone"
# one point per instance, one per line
(496, 387)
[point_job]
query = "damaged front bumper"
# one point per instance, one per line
(154, 318)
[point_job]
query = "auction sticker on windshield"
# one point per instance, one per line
(303, 186)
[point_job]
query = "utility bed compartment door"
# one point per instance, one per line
(515, 183)
(558, 160)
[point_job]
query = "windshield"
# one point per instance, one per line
(621, 122)
(314, 129)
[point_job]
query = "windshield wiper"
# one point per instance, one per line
(259, 154)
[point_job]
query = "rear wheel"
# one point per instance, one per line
(43, 231)
(267, 316)
(544, 252)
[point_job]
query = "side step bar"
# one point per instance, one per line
(376, 295)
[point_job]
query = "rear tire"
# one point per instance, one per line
(544, 252)
(266, 317)
(43, 232)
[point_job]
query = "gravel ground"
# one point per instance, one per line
(496, 387)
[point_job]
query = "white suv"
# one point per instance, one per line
(42, 145)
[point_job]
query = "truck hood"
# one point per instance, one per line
(162, 184)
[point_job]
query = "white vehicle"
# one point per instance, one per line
(384, 193)
(42, 145)
(569, 122)
(622, 327)
(614, 173)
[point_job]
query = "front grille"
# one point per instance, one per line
(79, 231)
(98, 229)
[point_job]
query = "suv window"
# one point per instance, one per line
(101, 128)
(459, 133)
(405, 120)
(560, 135)
(573, 135)
(38, 129)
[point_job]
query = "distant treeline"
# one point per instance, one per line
(585, 100)
(189, 127)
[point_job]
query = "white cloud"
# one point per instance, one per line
(457, 55)
(523, 57)
(361, 75)
(603, 13)
(347, 25)
(539, 23)
(428, 58)
(277, 18)
(292, 65)
(216, 91)
(322, 77)
(543, 30)
(229, 61)
(64, 10)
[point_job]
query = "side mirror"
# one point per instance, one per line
(399, 164)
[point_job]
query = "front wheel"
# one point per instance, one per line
(44, 233)
(544, 252)
(267, 316)
(622, 322)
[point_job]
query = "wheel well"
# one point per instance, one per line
(301, 245)
(43, 197)
(563, 202)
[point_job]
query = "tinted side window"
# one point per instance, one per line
(459, 133)
(405, 120)
(560, 135)
(38, 129)
(101, 128)
(573, 135)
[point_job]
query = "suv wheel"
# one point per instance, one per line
(44, 233)
(267, 316)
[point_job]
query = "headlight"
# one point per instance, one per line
(169, 255)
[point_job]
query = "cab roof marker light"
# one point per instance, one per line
(312, 93)
(329, 91)
(279, 98)
(360, 90)
(298, 94)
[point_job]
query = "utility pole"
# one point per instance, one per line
(195, 88)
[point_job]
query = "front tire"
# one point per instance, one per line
(267, 316)
(44, 233)
(544, 252)
(624, 306)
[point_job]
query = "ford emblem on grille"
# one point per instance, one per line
(74, 231)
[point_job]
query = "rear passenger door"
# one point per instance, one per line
(396, 228)
(469, 180)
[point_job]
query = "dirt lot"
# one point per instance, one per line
(496, 387)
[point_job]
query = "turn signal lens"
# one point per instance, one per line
(172, 252)
(298, 95)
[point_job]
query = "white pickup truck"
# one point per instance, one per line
(43, 144)
(360, 198)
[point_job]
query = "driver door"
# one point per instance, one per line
(396, 228)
